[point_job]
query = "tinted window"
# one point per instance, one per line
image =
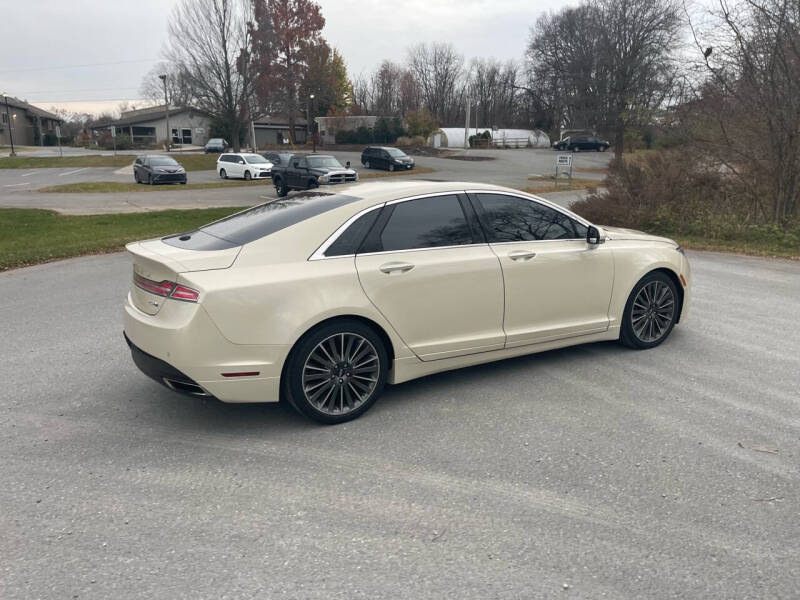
(259, 221)
(351, 238)
(425, 223)
(513, 219)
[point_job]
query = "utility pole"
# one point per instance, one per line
(10, 128)
(163, 78)
(308, 116)
(466, 126)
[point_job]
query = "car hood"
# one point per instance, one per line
(620, 233)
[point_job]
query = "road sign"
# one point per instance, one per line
(58, 131)
(564, 164)
(113, 131)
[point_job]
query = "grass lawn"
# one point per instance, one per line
(110, 187)
(29, 236)
(545, 185)
(190, 162)
(753, 244)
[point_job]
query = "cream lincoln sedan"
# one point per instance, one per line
(324, 297)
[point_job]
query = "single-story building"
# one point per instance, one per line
(274, 129)
(148, 126)
(330, 126)
(23, 120)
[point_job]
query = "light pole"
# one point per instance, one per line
(10, 128)
(308, 116)
(163, 78)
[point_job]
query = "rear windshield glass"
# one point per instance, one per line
(259, 221)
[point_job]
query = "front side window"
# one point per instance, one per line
(395, 152)
(514, 219)
(425, 223)
(324, 162)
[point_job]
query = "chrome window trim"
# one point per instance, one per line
(419, 249)
(319, 253)
(539, 200)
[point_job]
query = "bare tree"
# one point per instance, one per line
(179, 91)
(209, 47)
(748, 109)
(438, 69)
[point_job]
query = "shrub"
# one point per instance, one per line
(122, 141)
(682, 193)
(421, 122)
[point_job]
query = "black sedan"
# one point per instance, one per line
(577, 143)
(158, 168)
(384, 157)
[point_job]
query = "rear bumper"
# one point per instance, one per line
(183, 345)
(163, 372)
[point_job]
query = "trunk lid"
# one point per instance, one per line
(156, 261)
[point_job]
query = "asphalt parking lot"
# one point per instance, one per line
(591, 472)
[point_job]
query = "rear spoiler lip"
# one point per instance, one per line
(139, 249)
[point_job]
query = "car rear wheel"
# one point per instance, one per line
(336, 372)
(651, 311)
(247, 176)
(223, 174)
(575, 149)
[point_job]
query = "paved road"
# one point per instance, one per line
(622, 474)
(17, 187)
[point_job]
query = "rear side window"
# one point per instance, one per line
(514, 219)
(350, 239)
(423, 223)
(259, 221)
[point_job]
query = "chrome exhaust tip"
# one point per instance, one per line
(184, 387)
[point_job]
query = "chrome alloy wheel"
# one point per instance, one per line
(340, 373)
(653, 311)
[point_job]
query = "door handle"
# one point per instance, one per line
(521, 255)
(391, 267)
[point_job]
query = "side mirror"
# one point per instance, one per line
(595, 236)
(347, 164)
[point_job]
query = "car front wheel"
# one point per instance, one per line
(391, 167)
(336, 372)
(651, 311)
(223, 174)
(366, 165)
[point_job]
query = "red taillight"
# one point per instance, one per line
(184, 293)
(167, 289)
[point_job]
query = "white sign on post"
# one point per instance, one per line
(564, 163)
(58, 131)
(113, 131)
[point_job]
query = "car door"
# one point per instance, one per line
(297, 174)
(428, 270)
(556, 284)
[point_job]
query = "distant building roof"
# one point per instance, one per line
(130, 117)
(17, 103)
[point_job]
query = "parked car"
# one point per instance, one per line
(158, 168)
(278, 159)
(245, 166)
(307, 172)
(323, 298)
(215, 145)
(576, 143)
(383, 157)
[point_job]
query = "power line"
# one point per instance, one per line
(119, 62)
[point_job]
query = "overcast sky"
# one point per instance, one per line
(122, 39)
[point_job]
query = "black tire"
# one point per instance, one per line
(366, 165)
(575, 149)
(312, 184)
(149, 179)
(603, 148)
(281, 188)
(183, 182)
(391, 167)
(136, 177)
(223, 174)
(293, 381)
(628, 334)
(247, 176)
